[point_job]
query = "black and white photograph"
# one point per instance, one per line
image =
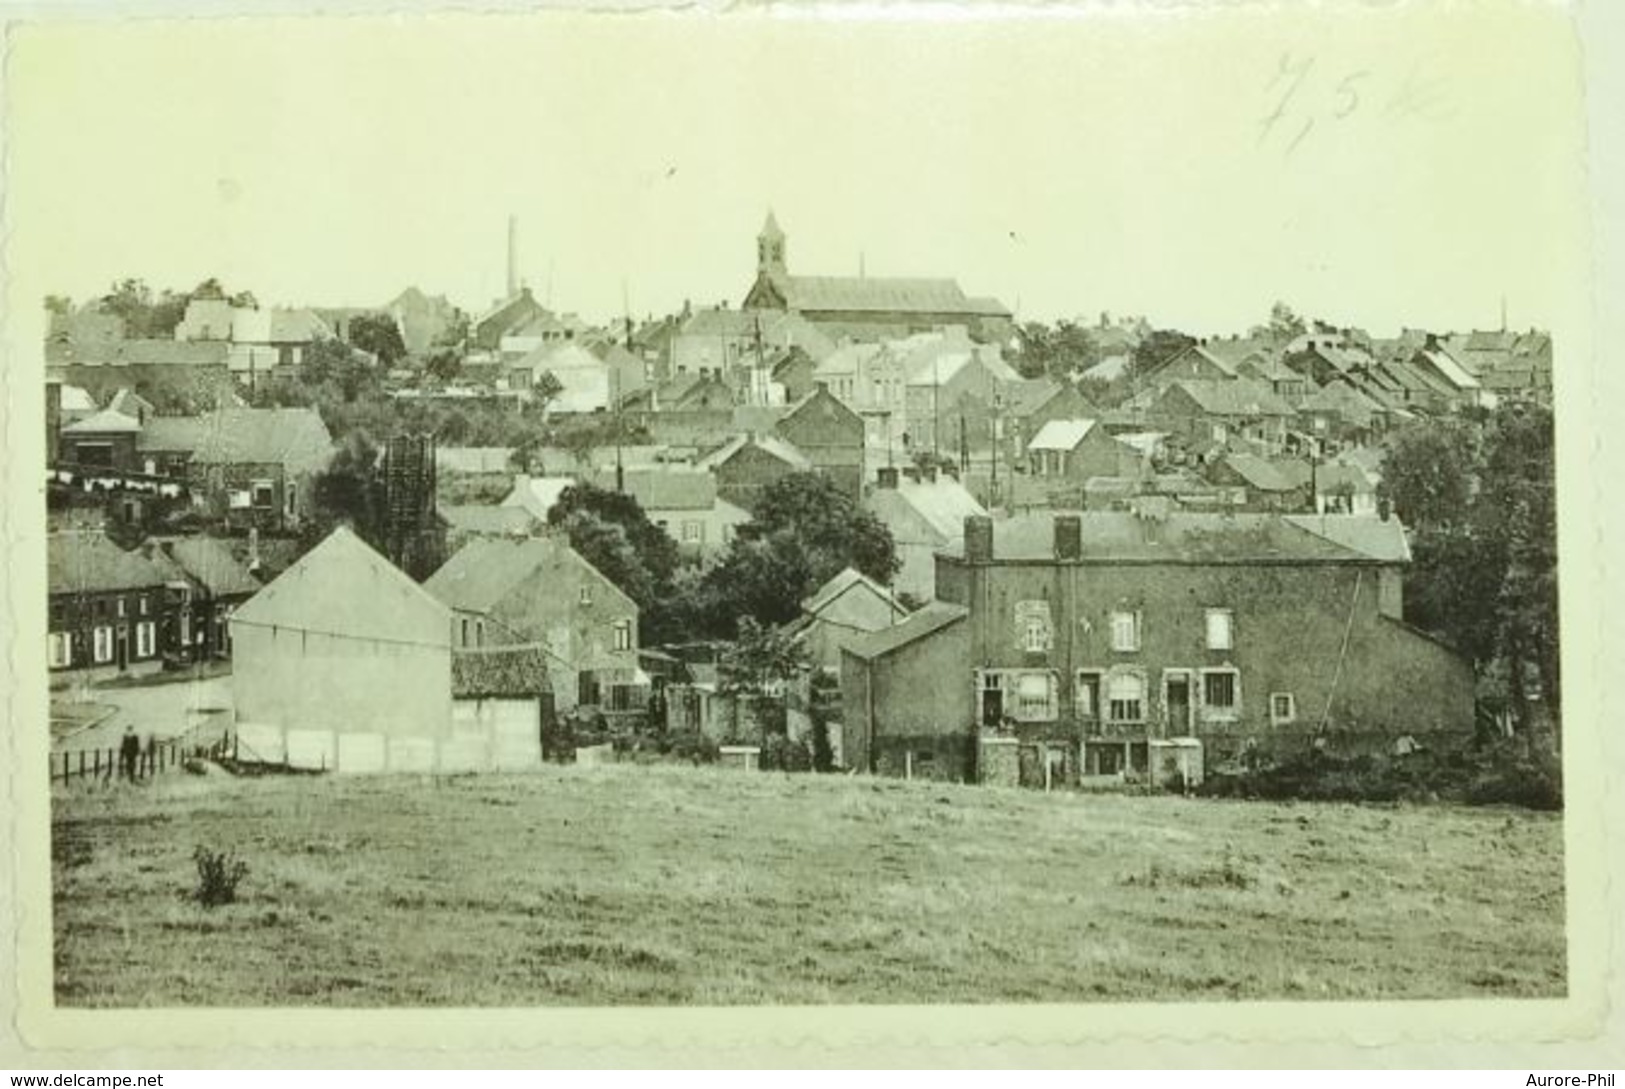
(756, 510)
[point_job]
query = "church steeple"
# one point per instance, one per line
(770, 247)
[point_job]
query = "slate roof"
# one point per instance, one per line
(344, 587)
(513, 672)
(1448, 367)
(1234, 397)
(537, 494)
(116, 353)
(665, 489)
(839, 584)
(1061, 435)
(86, 561)
(865, 294)
(209, 562)
(1025, 398)
(928, 620)
(482, 518)
(1190, 537)
(772, 444)
(472, 459)
(172, 434)
(295, 438)
(943, 503)
(1342, 399)
(485, 570)
(1266, 475)
(105, 422)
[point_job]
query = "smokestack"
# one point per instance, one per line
(513, 256)
(978, 538)
(1068, 537)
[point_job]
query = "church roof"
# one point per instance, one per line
(875, 293)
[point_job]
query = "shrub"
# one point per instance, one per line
(779, 753)
(218, 875)
(690, 745)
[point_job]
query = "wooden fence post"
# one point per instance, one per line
(98, 767)
(81, 763)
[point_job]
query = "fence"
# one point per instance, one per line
(103, 764)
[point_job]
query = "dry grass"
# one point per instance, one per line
(673, 885)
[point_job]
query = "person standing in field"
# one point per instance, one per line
(129, 752)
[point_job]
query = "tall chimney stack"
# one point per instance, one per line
(513, 256)
(1068, 537)
(978, 538)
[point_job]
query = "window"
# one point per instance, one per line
(586, 595)
(1125, 631)
(1033, 621)
(121, 608)
(1126, 698)
(288, 500)
(1220, 629)
(61, 650)
(263, 494)
(1283, 708)
(146, 639)
(1221, 690)
(693, 531)
(102, 646)
(143, 605)
(623, 635)
(463, 639)
(1035, 697)
(479, 633)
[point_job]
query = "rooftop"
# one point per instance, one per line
(930, 618)
(1216, 538)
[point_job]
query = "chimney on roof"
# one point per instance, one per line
(1431, 342)
(1068, 537)
(978, 538)
(887, 477)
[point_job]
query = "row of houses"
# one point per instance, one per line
(246, 468)
(1069, 646)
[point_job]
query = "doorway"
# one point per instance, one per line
(1176, 702)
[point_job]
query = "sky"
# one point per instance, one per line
(1379, 167)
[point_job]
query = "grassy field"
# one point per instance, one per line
(589, 886)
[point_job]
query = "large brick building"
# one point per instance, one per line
(868, 307)
(1091, 638)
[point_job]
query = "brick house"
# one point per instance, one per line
(108, 607)
(254, 467)
(830, 434)
(538, 590)
(748, 464)
(1205, 412)
(207, 585)
(1090, 640)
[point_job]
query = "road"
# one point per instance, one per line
(161, 710)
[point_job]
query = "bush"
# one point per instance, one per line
(218, 875)
(1495, 775)
(691, 746)
(779, 753)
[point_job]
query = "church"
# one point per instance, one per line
(869, 307)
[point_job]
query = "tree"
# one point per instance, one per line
(1479, 497)
(60, 305)
(761, 660)
(245, 300)
(1156, 348)
(827, 525)
(1428, 473)
(379, 336)
(1285, 326)
(444, 364)
(350, 491)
